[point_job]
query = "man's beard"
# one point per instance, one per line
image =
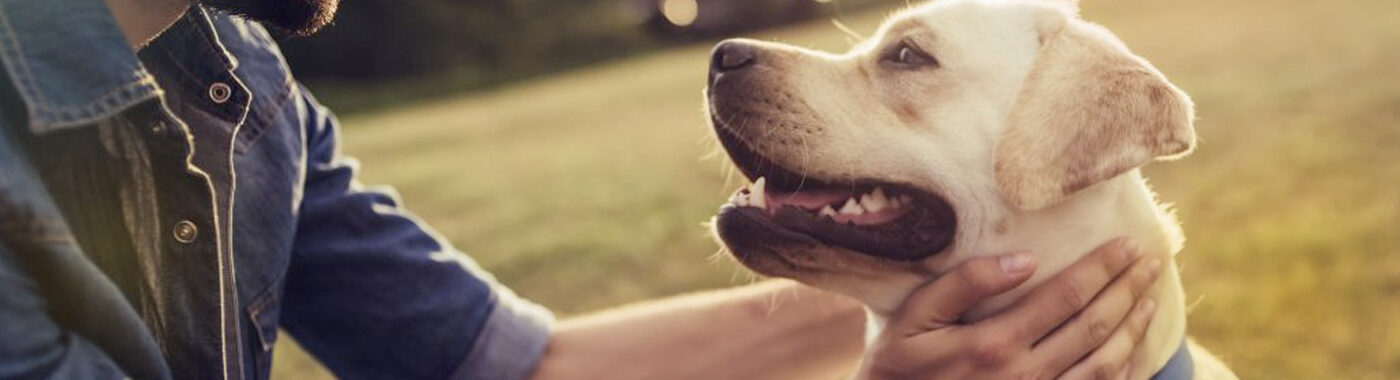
(292, 17)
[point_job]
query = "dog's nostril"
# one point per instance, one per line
(730, 56)
(731, 61)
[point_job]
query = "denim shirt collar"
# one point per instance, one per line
(71, 66)
(187, 57)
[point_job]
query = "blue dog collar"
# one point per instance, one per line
(1180, 367)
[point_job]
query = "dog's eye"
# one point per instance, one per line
(908, 56)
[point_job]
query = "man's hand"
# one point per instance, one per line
(1082, 324)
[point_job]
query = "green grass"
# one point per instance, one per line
(587, 189)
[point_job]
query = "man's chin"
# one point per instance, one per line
(297, 18)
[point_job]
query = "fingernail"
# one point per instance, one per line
(1016, 263)
(1147, 306)
(1129, 246)
(1154, 265)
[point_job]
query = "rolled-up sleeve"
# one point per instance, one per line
(374, 293)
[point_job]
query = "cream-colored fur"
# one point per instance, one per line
(1032, 127)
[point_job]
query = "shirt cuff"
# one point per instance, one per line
(511, 342)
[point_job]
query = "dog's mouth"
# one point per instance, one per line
(882, 219)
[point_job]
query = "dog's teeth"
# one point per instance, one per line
(758, 194)
(743, 200)
(852, 208)
(875, 201)
(827, 211)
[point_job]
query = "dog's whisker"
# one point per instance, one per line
(741, 125)
(774, 301)
(806, 160)
(711, 142)
(719, 254)
(852, 37)
(727, 173)
(1192, 306)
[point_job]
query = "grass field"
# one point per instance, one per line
(587, 189)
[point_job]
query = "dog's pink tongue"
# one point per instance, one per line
(809, 200)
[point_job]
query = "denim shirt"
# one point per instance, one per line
(164, 213)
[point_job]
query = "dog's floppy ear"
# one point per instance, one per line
(1089, 111)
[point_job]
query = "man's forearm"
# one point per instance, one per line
(770, 330)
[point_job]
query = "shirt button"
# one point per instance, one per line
(185, 232)
(219, 92)
(160, 127)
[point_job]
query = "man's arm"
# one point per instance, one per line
(770, 330)
(780, 330)
(373, 293)
(32, 346)
(60, 317)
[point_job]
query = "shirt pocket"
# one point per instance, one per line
(264, 314)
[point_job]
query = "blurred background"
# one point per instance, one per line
(579, 166)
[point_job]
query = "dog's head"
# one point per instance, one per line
(877, 169)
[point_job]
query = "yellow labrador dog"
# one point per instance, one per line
(963, 128)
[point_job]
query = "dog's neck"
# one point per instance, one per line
(1123, 206)
(1061, 234)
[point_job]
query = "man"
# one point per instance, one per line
(170, 196)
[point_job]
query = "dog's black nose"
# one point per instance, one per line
(731, 56)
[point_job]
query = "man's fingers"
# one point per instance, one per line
(1110, 361)
(1061, 297)
(943, 301)
(1094, 326)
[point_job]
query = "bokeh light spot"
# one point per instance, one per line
(680, 12)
